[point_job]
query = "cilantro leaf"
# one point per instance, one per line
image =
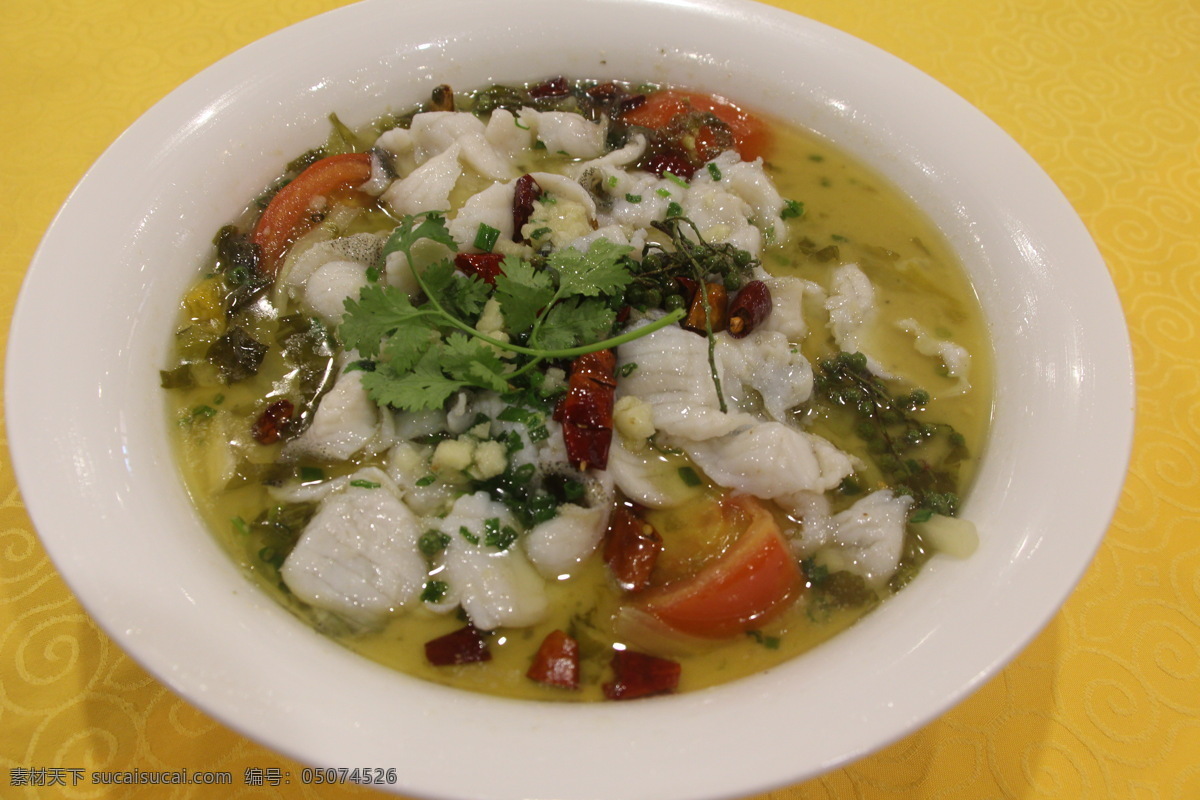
(379, 312)
(574, 322)
(522, 292)
(473, 361)
(423, 387)
(430, 225)
(416, 357)
(462, 295)
(599, 271)
(406, 346)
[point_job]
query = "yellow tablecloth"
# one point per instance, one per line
(1105, 94)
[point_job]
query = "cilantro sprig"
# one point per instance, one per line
(418, 355)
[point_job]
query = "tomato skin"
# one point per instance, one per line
(289, 214)
(756, 579)
(751, 136)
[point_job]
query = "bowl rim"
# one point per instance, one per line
(696, 745)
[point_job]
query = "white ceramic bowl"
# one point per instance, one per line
(87, 424)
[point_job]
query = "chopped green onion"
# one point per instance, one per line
(496, 535)
(311, 474)
(769, 642)
(633, 198)
(434, 591)
(792, 209)
(689, 476)
(921, 515)
(714, 171)
(671, 176)
(365, 484)
(485, 237)
(433, 542)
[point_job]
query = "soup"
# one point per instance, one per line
(580, 390)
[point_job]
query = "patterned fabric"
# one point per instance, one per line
(1105, 94)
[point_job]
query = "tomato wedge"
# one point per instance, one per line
(749, 584)
(289, 215)
(751, 136)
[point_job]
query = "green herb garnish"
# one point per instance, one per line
(496, 535)
(311, 474)
(486, 237)
(769, 642)
(792, 209)
(425, 353)
(433, 542)
(434, 591)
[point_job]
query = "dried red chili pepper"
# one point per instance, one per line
(631, 549)
(555, 87)
(556, 662)
(627, 104)
(586, 410)
(669, 160)
(641, 675)
(270, 424)
(441, 98)
(717, 308)
(463, 646)
(749, 308)
(605, 91)
(485, 266)
(525, 192)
